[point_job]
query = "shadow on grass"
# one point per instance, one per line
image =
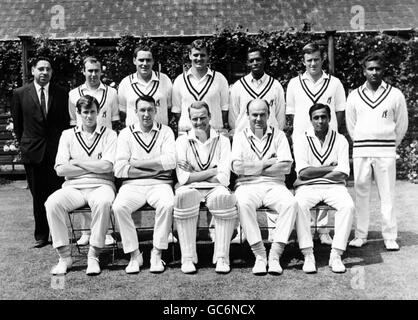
(241, 255)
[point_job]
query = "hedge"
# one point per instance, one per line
(228, 55)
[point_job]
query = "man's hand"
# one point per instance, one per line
(269, 162)
(186, 166)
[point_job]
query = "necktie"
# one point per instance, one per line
(43, 102)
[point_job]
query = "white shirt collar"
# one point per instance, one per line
(306, 76)
(310, 132)
(154, 77)
(192, 135)
(252, 79)
(100, 87)
(382, 85)
(137, 127)
(38, 87)
(209, 72)
(78, 128)
(250, 133)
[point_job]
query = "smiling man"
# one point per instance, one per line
(145, 158)
(145, 82)
(85, 158)
(200, 83)
(377, 120)
(261, 157)
(203, 171)
(257, 85)
(322, 165)
(108, 116)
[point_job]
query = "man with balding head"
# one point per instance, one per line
(261, 157)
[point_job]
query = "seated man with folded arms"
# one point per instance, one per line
(145, 158)
(203, 161)
(85, 158)
(261, 157)
(322, 165)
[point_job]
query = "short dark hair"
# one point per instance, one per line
(265, 101)
(199, 105)
(319, 106)
(90, 59)
(199, 44)
(145, 98)
(142, 47)
(312, 47)
(40, 58)
(256, 49)
(374, 56)
(87, 102)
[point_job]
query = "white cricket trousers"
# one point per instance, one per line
(336, 196)
(67, 199)
(131, 198)
(384, 172)
(272, 195)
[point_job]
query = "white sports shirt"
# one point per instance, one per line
(131, 88)
(77, 144)
(309, 152)
(211, 88)
(213, 153)
(133, 143)
(302, 93)
(108, 104)
(376, 122)
(246, 89)
(248, 148)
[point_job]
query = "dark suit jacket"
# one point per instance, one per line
(38, 134)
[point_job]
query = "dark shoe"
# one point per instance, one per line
(41, 243)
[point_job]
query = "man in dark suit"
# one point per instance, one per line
(40, 114)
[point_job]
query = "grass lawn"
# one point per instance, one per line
(373, 273)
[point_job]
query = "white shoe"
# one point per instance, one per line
(260, 266)
(239, 238)
(222, 266)
(109, 240)
(188, 267)
(171, 238)
(336, 264)
(135, 264)
(391, 245)
(275, 267)
(325, 238)
(84, 240)
(212, 234)
(309, 264)
(63, 265)
(93, 267)
(157, 265)
(357, 242)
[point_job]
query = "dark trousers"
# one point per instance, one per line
(42, 181)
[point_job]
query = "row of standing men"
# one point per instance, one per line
(376, 118)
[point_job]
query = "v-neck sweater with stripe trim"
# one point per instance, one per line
(376, 123)
(135, 144)
(74, 144)
(248, 148)
(215, 152)
(309, 152)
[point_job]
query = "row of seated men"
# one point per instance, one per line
(145, 153)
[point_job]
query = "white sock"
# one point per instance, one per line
(259, 249)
